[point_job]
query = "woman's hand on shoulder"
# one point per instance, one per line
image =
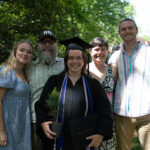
(46, 128)
(3, 138)
(96, 140)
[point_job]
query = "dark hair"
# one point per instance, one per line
(83, 71)
(128, 19)
(98, 41)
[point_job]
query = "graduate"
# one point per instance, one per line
(79, 96)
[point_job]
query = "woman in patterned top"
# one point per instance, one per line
(99, 70)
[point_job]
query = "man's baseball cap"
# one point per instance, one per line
(46, 33)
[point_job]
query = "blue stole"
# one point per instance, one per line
(62, 100)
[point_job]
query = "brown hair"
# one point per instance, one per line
(98, 41)
(83, 71)
(128, 19)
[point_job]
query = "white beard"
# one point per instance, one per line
(47, 57)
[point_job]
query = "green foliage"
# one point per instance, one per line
(52, 101)
(136, 144)
(145, 37)
(66, 18)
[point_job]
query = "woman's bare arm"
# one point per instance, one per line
(3, 136)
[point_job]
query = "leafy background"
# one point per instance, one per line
(23, 19)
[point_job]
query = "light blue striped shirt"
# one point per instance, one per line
(132, 95)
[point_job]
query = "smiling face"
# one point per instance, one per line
(128, 31)
(75, 61)
(24, 53)
(98, 54)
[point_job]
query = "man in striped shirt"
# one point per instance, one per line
(132, 93)
(46, 65)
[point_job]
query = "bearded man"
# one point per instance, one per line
(46, 65)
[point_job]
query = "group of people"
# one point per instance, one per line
(120, 87)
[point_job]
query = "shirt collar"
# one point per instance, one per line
(138, 46)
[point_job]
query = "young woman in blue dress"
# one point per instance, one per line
(14, 99)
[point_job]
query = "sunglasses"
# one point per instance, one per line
(44, 42)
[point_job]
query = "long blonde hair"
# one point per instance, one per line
(11, 61)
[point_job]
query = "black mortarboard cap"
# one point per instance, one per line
(47, 33)
(75, 43)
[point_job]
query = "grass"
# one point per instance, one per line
(135, 142)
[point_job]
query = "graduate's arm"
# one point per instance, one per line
(42, 119)
(40, 106)
(96, 139)
(104, 111)
(46, 128)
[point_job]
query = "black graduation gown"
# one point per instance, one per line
(75, 105)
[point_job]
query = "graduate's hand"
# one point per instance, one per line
(48, 132)
(96, 140)
(3, 138)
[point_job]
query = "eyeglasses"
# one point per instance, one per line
(44, 42)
